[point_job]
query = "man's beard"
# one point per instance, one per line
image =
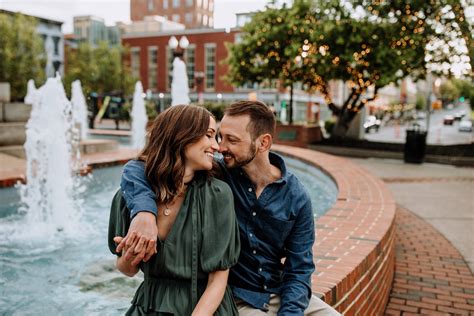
(252, 153)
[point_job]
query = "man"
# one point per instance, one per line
(273, 274)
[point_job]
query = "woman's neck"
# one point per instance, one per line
(188, 175)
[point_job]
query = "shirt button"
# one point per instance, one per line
(260, 269)
(251, 235)
(254, 252)
(250, 189)
(254, 213)
(264, 287)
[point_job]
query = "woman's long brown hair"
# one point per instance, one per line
(170, 133)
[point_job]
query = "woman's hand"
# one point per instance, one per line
(128, 262)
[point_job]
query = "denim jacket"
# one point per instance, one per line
(276, 234)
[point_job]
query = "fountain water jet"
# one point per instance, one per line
(79, 108)
(48, 197)
(179, 85)
(139, 118)
(31, 92)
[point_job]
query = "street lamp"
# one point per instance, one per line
(161, 96)
(178, 47)
(199, 77)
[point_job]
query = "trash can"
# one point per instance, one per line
(415, 144)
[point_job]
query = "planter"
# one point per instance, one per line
(297, 135)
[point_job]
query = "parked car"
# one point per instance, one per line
(448, 120)
(465, 126)
(459, 115)
(372, 123)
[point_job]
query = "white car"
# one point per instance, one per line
(465, 126)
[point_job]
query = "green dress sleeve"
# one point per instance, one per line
(220, 232)
(119, 220)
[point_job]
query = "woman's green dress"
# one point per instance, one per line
(204, 238)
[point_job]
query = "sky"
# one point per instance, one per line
(118, 10)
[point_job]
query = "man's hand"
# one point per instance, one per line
(140, 241)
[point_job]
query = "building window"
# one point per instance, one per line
(204, 20)
(151, 5)
(190, 63)
(188, 18)
(205, 4)
(169, 67)
(199, 19)
(189, 3)
(210, 62)
(135, 62)
(152, 67)
(56, 40)
(211, 22)
(176, 3)
(175, 18)
(211, 5)
(199, 3)
(165, 4)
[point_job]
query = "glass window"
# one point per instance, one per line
(151, 5)
(176, 3)
(169, 66)
(190, 62)
(210, 66)
(199, 3)
(204, 4)
(56, 40)
(152, 67)
(204, 20)
(188, 18)
(211, 22)
(135, 62)
(165, 4)
(189, 3)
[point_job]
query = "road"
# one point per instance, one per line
(438, 133)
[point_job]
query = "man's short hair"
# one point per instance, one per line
(262, 119)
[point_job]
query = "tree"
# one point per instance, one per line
(101, 69)
(270, 47)
(22, 55)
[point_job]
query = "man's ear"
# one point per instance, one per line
(266, 141)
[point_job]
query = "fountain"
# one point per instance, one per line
(31, 92)
(79, 109)
(179, 85)
(139, 118)
(48, 197)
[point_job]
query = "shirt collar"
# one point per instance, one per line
(278, 162)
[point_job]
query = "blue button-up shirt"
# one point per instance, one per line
(276, 234)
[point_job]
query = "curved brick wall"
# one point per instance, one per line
(354, 249)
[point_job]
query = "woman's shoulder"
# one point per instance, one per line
(219, 187)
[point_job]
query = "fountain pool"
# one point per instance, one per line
(65, 276)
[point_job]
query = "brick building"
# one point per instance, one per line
(192, 13)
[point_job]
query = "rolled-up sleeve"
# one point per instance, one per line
(299, 265)
(136, 190)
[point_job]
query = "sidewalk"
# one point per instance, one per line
(435, 237)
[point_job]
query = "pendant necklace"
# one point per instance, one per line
(167, 210)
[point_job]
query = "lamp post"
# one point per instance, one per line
(199, 77)
(161, 96)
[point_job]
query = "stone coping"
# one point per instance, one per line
(354, 250)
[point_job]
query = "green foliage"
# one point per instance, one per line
(420, 102)
(329, 125)
(216, 108)
(99, 69)
(22, 55)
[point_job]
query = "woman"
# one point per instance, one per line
(197, 231)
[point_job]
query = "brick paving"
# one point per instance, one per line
(431, 276)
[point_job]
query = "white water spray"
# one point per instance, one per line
(179, 85)
(48, 197)
(31, 92)
(139, 118)
(79, 108)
